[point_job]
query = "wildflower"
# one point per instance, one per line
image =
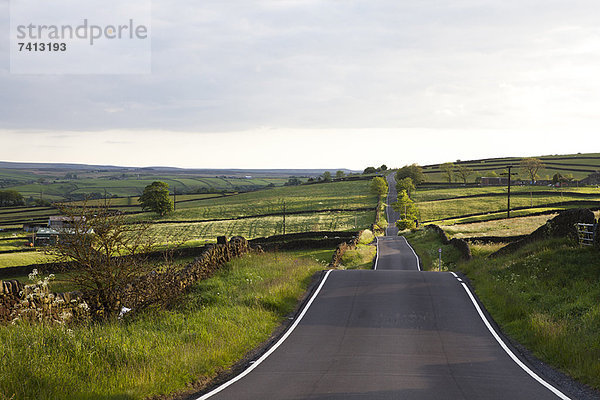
(124, 311)
(33, 274)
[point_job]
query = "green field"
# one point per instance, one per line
(202, 217)
(474, 204)
(578, 165)
(266, 226)
(321, 197)
(500, 227)
(60, 190)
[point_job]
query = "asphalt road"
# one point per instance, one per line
(390, 333)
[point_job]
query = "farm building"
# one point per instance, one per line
(591, 179)
(61, 222)
(45, 237)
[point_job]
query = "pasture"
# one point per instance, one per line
(475, 204)
(578, 165)
(200, 218)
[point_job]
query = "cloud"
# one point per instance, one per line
(469, 65)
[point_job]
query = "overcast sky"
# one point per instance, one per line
(323, 84)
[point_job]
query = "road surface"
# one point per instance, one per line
(389, 333)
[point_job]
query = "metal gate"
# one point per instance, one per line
(586, 234)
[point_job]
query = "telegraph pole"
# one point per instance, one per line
(509, 174)
(284, 217)
(174, 198)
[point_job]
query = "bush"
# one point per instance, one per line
(404, 224)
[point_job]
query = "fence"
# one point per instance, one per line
(586, 233)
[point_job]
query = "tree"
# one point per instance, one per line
(531, 167)
(379, 186)
(10, 198)
(326, 176)
(409, 212)
(293, 181)
(107, 254)
(406, 185)
(369, 170)
(156, 198)
(464, 172)
(448, 171)
(414, 172)
(339, 174)
(383, 167)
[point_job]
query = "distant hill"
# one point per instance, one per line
(57, 182)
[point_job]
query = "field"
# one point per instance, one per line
(64, 182)
(266, 226)
(577, 165)
(467, 205)
(200, 218)
(500, 227)
(161, 351)
(61, 190)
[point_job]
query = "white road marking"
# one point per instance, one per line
(415, 254)
(376, 257)
(506, 348)
(271, 350)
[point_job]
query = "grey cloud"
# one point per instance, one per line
(226, 65)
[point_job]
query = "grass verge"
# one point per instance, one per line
(546, 296)
(426, 244)
(160, 351)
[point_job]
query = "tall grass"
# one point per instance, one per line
(159, 351)
(547, 297)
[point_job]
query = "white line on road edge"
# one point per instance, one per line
(411, 249)
(507, 349)
(272, 349)
(377, 257)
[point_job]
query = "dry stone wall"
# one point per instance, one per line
(563, 225)
(36, 304)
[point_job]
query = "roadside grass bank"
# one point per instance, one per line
(545, 296)
(160, 351)
(499, 227)
(426, 243)
(363, 255)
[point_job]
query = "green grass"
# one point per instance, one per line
(499, 227)
(14, 244)
(359, 258)
(453, 208)
(160, 351)
(57, 189)
(25, 258)
(18, 216)
(266, 226)
(433, 193)
(546, 296)
(554, 165)
(426, 243)
(327, 196)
